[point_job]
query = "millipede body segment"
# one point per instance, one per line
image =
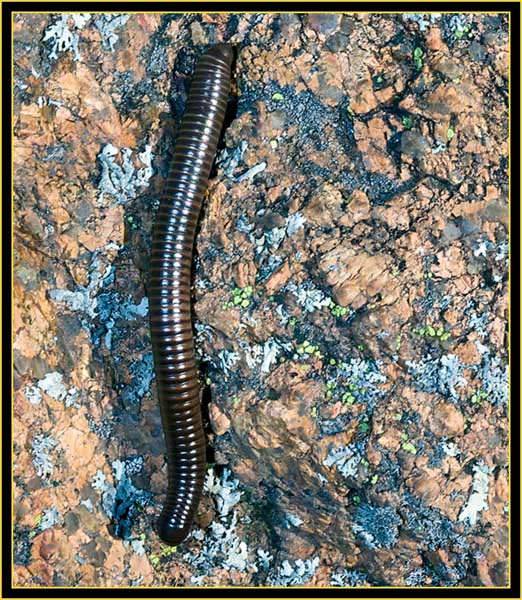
(169, 290)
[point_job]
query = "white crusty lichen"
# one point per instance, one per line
(107, 24)
(224, 490)
(271, 349)
(423, 20)
(294, 223)
(121, 181)
(229, 159)
(52, 384)
(295, 572)
(227, 360)
(494, 376)
(126, 310)
(477, 502)
(63, 34)
(346, 459)
(252, 172)
(442, 375)
(85, 299)
(264, 355)
(348, 578)
(51, 516)
(40, 448)
(273, 237)
(308, 296)
(222, 548)
(291, 520)
(264, 559)
(33, 394)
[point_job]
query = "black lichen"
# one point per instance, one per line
(379, 526)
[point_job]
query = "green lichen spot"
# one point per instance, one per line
(154, 559)
(277, 96)
(409, 447)
(348, 398)
(407, 121)
(417, 57)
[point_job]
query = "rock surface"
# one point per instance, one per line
(350, 300)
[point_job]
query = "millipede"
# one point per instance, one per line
(170, 308)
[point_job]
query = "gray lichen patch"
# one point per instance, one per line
(42, 460)
(222, 547)
(378, 526)
(122, 181)
(52, 384)
(63, 34)
(121, 500)
(477, 501)
(108, 24)
(294, 573)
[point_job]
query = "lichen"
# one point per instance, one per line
(291, 520)
(33, 394)
(423, 20)
(346, 459)
(292, 573)
(378, 526)
(107, 24)
(224, 490)
(308, 296)
(122, 181)
(222, 547)
(227, 360)
(428, 526)
(495, 380)
(42, 461)
(442, 375)
(63, 34)
(121, 500)
(252, 172)
(50, 517)
(477, 502)
(84, 299)
(348, 578)
(52, 384)
(294, 223)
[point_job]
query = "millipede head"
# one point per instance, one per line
(170, 531)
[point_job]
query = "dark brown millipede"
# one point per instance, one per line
(169, 290)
